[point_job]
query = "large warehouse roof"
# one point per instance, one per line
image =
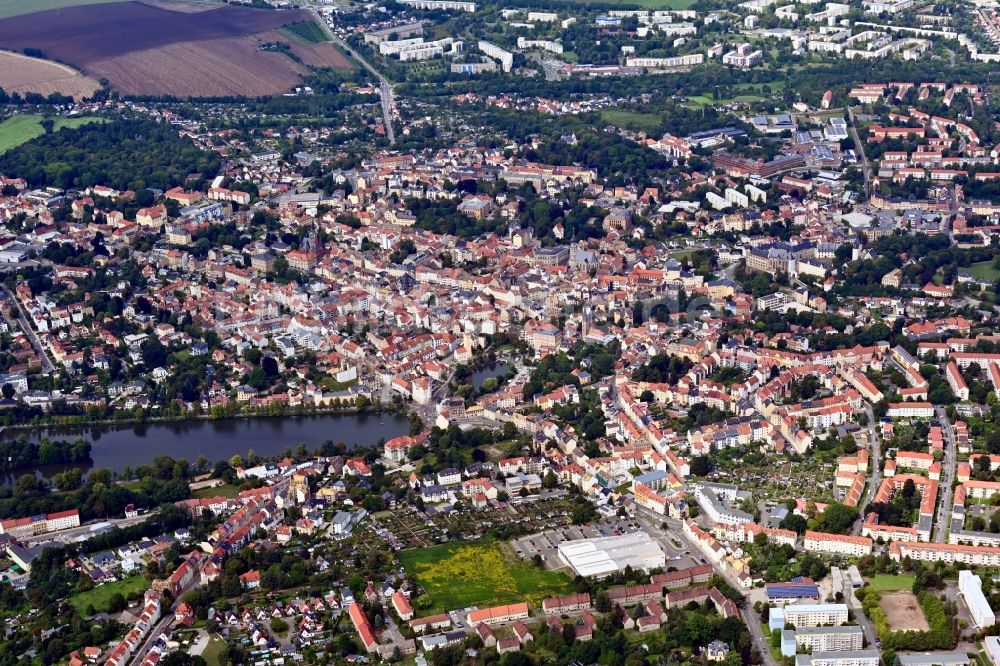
(603, 556)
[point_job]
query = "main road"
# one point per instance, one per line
(947, 476)
(861, 149)
(384, 87)
(655, 524)
(47, 366)
(875, 478)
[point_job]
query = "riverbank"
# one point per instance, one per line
(71, 422)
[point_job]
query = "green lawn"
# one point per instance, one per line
(213, 651)
(633, 120)
(462, 574)
(983, 270)
(23, 128)
(888, 583)
(99, 596)
(225, 490)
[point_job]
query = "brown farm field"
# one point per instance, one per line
(903, 611)
(210, 68)
(168, 49)
(323, 54)
(21, 74)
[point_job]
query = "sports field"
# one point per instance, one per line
(462, 574)
(903, 611)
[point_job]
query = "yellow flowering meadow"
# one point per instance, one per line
(463, 574)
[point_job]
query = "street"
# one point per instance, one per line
(947, 477)
(871, 638)
(385, 88)
(47, 366)
(861, 150)
(875, 478)
(761, 642)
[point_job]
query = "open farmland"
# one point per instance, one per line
(314, 54)
(21, 74)
(201, 69)
(168, 49)
(18, 7)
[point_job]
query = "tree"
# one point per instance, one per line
(550, 480)
(795, 523)
(116, 603)
(701, 466)
(8, 391)
(279, 626)
(839, 519)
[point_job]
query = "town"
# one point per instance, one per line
(529, 333)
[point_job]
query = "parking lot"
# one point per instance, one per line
(546, 543)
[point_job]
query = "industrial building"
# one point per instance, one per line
(604, 556)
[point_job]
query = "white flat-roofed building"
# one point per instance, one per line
(811, 615)
(934, 659)
(992, 644)
(444, 5)
(971, 588)
(709, 501)
(604, 556)
(506, 58)
(848, 658)
(821, 639)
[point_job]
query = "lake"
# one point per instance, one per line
(118, 446)
(479, 376)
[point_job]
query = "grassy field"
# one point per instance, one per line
(983, 270)
(887, 583)
(99, 596)
(22, 128)
(213, 651)
(633, 120)
(225, 490)
(306, 32)
(463, 574)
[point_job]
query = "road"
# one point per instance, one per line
(165, 621)
(762, 643)
(947, 477)
(861, 149)
(875, 478)
(867, 628)
(385, 90)
(47, 366)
